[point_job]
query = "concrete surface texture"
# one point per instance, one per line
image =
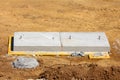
(25, 62)
(36, 41)
(61, 41)
(85, 41)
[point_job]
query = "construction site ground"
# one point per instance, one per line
(61, 15)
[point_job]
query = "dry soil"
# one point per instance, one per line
(60, 15)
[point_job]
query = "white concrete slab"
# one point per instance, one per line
(84, 41)
(61, 41)
(36, 41)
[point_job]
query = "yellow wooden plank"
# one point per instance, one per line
(39, 53)
(34, 53)
(105, 56)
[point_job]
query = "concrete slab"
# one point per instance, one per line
(61, 41)
(36, 41)
(85, 41)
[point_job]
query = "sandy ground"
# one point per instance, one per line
(56, 15)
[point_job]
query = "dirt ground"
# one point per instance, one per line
(81, 72)
(61, 15)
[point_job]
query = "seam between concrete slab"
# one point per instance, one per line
(61, 44)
